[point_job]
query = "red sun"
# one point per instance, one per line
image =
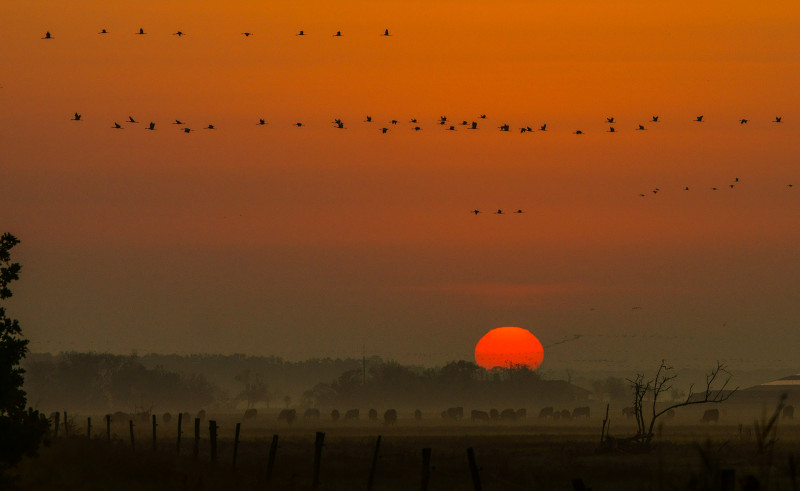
(505, 346)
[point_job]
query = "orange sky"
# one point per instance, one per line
(315, 241)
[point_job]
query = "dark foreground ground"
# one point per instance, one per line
(511, 457)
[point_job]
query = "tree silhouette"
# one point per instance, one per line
(21, 431)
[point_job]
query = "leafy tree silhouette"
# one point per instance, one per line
(21, 431)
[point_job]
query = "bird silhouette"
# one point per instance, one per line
(210, 127)
(76, 117)
(141, 31)
(413, 120)
(179, 33)
(298, 124)
(579, 132)
(543, 127)
(151, 127)
(611, 129)
(384, 130)
(187, 130)
(117, 126)
(394, 121)
(301, 33)
(386, 33)
(131, 120)
(417, 128)
(686, 188)
(735, 179)
(654, 119)
(483, 116)
(103, 32)
(742, 121)
(261, 122)
(503, 127)
(474, 125)
(498, 212)
(178, 121)
(464, 123)
(610, 120)
(47, 35)
(475, 212)
(339, 124)
(442, 119)
(778, 119)
(641, 127)
(451, 128)
(519, 212)
(368, 120)
(699, 119)
(523, 129)
(247, 34)
(338, 34)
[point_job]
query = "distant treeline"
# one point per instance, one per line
(106, 382)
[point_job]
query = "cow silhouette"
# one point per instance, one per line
(566, 415)
(453, 413)
(508, 415)
(288, 415)
(417, 415)
(581, 412)
(522, 413)
(251, 413)
(390, 417)
(373, 415)
(351, 414)
(494, 414)
(335, 415)
(311, 413)
(546, 412)
(710, 416)
(476, 415)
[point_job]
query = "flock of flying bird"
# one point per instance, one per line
(443, 121)
(141, 32)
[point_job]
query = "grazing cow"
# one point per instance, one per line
(508, 415)
(201, 415)
(417, 415)
(351, 414)
(455, 413)
(710, 416)
(494, 414)
(522, 413)
(288, 415)
(335, 415)
(311, 413)
(251, 413)
(390, 417)
(166, 417)
(479, 416)
(628, 412)
(373, 415)
(581, 412)
(566, 415)
(788, 413)
(546, 412)
(556, 415)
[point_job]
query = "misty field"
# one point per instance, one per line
(525, 455)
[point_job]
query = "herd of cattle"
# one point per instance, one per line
(289, 416)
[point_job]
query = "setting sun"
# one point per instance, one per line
(505, 346)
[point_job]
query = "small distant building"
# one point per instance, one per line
(770, 392)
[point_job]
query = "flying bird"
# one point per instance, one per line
(117, 126)
(413, 120)
(610, 120)
(579, 132)
(474, 126)
(451, 128)
(368, 120)
(301, 33)
(394, 121)
(261, 122)
(131, 120)
(699, 119)
(519, 212)
(742, 121)
(503, 127)
(179, 33)
(475, 212)
(210, 127)
(141, 31)
(338, 34)
(187, 130)
(384, 130)
(47, 35)
(77, 117)
(641, 127)
(298, 124)
(417, 128)
(178, 121)
(103, 32)
(483, 116)
(247, 34)
(778, 119)
(152, 126)
(386, 33)
(654, 119)
(498, 212)
(543, 127)
(611, 129)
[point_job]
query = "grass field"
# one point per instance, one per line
(509, 456)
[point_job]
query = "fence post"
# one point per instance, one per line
(180, 421)
(196, 450)
(56, 424)
(155, 447)
(236, 444)
(727, 479)
(273, 449)
(426, 468)
(133, 442)
(473, 469)
(108, 427)
(66, 425)
(318, 444)
(371, 481)
(212, 430)
(89, 427)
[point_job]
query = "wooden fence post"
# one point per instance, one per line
(66, 425)
(473, 469)
(371, 481)
(89, 427)
(133, 442)
(273, 449)
(727, 479)
(212, 430)
(426, 468)
(155, 447)
(56, 424)
(318, 444)
(108, 427)
(180, 420)
(196, 450)
(236, 444)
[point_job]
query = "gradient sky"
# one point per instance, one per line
(313, 241)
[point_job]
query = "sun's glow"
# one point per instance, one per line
(507, 346)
